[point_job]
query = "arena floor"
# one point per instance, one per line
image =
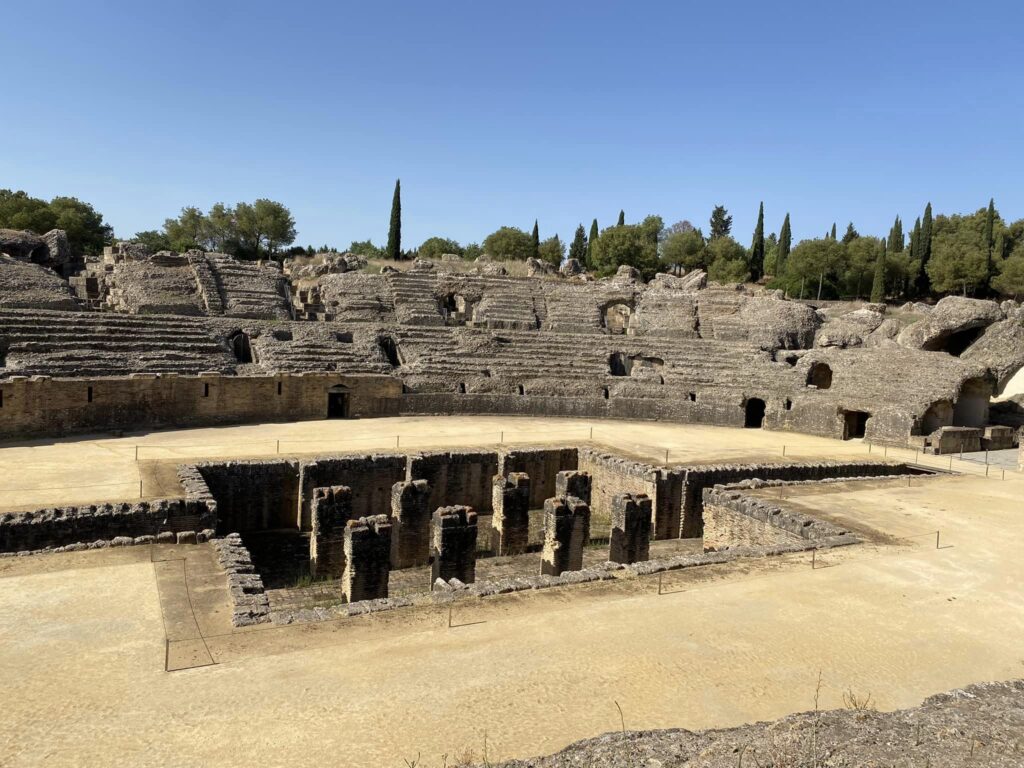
(84, 635)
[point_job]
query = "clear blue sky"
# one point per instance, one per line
(499, 113)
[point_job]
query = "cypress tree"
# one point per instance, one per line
(578, 247)
(925, 250)
(394, 247)
(785, 241)
(878, 284)
(833, 230)
(895, 244)
(622, 219)
(590, 244)
(757, 247)
(851, 234)
(990, 222)
(536, 240)
(915, 251)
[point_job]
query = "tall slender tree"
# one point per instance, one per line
(833, 230)
(925, 253)
(591, 242)
(622, 219)
(895, 244)
(990, 223)
(721, 223)
(785, 244)
(851, 234)
(536, 240)
(394, 247)
(878, 284)
(757, 247)
(578, 247)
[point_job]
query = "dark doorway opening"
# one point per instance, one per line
(855, 424)
(390, 349)
(241, 348)
(619, 364)
(753, 413)
(820, 376)
(956, 343)
(337, 403)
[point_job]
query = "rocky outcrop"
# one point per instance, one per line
(1000, 348)
(572, 267)
(538, 268)
(22, 244)
(946, 326)
(981, 725)
(848, 330)
(30, 286)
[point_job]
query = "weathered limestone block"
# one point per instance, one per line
(952, 315)
(566, 533)
(454, 544)
(331, 511)
(367, 558)
(574, 483)
(631, 529)
(410, 516)
(511, 517)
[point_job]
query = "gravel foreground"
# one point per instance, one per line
(981, 725)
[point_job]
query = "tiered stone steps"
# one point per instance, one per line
(247, 289)
(415, 302)
(107, 344)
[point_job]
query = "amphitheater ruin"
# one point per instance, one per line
(232, 481)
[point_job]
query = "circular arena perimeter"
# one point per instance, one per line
(129, 656)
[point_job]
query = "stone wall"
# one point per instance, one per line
(542, 465)
(456, 477)
(98, 525)
(371, 478)
(331, 511)
(614, 475)
(697, 479)
(254, 495)
(725, 529)
(40, 406)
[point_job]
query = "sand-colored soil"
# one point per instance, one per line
(84, 652)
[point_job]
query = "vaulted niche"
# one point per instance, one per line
(241, 347)
(753, 413)
(971, 406)
(819, 376)
(389, 347)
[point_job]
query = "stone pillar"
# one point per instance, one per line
(410, 518)
(566, 532)
(331, 509)
(511, 518)
(454, 545)
(573, 483)
(367, 558)
(631, 528)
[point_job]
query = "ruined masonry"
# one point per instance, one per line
(631, 529)
(331, 511)
(367, 558)
(566, 533)
(454, 544)
(410, 517)
(511, 515)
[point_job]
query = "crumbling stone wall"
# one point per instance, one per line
(254, 495)
(103, 524)
(371, 478)
(614, 475)
(631, 529)
(696, 479)
(574, 483)
(542, 465)
(511, 514)
(566, 533)
(331, 511)
(456, 477)
(367, 558)
(453, 544)
(410, 519)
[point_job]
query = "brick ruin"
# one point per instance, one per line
(135, 340)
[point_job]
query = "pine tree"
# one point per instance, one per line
(878, 284)
(895, 244)
(925, 252)
(622, 219)
(591, 242)
(536, 240)
(721, 223)
(757, 247)
(833, 230)
(785, 242)
(578, 247)
(394, 247)
(851, 234)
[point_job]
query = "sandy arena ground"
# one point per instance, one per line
(86, 636)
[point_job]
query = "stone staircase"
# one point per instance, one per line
(249, 289)
(414, 298)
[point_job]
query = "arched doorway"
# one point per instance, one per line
(819, 376)
(241, 347)
(938, 415)
(391, 351)
(855, 424)
(338, 402)
(753, 413)
(971, 406)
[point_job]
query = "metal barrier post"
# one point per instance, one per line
(397, 439)
(136, 452)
